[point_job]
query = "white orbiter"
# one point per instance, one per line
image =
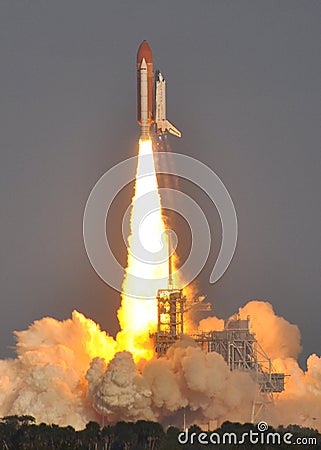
(161, 123)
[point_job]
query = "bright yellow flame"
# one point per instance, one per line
(93, 341)
(138, 316)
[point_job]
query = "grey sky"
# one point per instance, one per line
(243, 87)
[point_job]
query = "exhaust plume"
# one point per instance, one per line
(70, 372)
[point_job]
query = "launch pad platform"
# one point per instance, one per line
(235, 343)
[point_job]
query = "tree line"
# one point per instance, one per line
(22, 432)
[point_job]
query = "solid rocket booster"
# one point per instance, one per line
(151, 108)
(145, 81)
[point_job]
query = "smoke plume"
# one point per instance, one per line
(69, 372)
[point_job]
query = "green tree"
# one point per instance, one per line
(125, 434)
(107, 436)
(150, 434)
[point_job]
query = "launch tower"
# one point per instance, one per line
(170, 310)
(235, 343)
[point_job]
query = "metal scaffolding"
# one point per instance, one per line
(170, 325)
(235, 343)
(241, 351)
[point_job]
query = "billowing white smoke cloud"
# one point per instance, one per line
(69, 373)
(301, 401)
(278, 337)
(47, 380)
(120, 391)
(187, 376)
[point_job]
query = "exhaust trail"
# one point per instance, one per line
(147, 260)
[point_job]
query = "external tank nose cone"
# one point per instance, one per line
(144, 51)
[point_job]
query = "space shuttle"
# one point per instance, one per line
(151, 100)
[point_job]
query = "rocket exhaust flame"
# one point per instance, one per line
(138, 316)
